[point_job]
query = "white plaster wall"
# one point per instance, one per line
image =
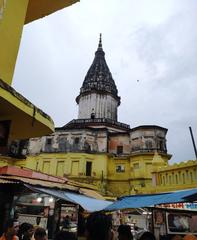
(35, 145)
(104, 106)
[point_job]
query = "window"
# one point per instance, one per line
(163, 180)
(119, 149)
(60, 168)
(49, 141)
(176, 177)
(136, 166)
(170, 180)
(88, 168)
(191, 176)
(187, 175)
(76, 140)
(179, 176)
(161, 145)
(92, 116)
(4, 132)
(195, 175)
(120, 168)
(183, 178)
(46, 167)
(160, 179)
(149, 144)
(173, 178)
(75, 168)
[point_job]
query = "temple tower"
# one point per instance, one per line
(98, 96)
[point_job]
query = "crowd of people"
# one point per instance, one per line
(98, 227)
(25, 231)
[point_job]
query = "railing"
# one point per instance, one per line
(138, 150)
(98, 120)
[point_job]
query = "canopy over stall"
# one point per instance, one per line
(87, 203)
(150, 200)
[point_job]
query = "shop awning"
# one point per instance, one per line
(150, 200)
(87, 203)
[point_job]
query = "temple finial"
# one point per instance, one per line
(100, 41)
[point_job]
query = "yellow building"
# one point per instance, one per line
(19, 118)
(96, 148)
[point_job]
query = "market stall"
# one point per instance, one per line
(44, 200)
(166, 214)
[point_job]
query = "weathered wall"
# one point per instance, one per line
(102, 106)
(119, 140)
(63, 153)
(70, 141)
(148, 139)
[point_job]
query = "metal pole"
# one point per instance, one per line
(193, 141)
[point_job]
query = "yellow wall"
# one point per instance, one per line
(177, 176)
(135, 176)
(136, 179)
(12, 19)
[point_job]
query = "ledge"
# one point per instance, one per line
(40, 8)
(26, 119)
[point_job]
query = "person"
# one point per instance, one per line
(124, 232)
(25, 231)
(10, 230)
(65, 235)
(147, 236)
(66, 222)
(99, 227)
(189, 237)
(40, 234)
(177, 237)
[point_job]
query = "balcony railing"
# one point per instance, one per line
(96, 121)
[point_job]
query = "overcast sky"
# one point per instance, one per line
(153, 41)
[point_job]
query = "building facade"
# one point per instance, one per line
(96, 148)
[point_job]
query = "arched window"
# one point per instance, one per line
(163, 180)
(183, 175)
(179, 177)
(187, 174)
(170, 180)
(176, 179)
(149, 144)
(195, 174)
(160, 179)
(166, 178)
(92, 115)
(191, 177)
(161, 145)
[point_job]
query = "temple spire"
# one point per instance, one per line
(100, 41)
(98, 95)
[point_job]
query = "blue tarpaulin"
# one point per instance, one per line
(150, 200)
(87, 203)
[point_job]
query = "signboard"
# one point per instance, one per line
(184, 206)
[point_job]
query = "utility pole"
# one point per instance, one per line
(193, 141)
